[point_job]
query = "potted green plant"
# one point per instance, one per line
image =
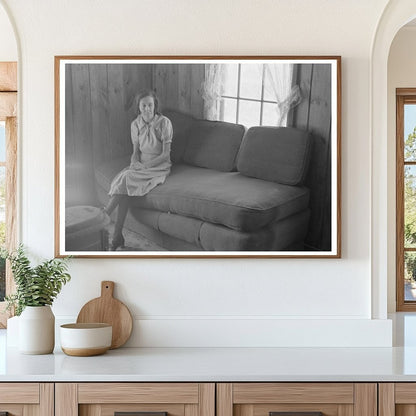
(36, 289)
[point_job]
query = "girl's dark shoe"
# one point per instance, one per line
(118, 241)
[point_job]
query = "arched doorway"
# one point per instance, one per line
(396, 14)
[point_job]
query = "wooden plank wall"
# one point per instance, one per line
(99, 103)
(314, 114)
(179, 87)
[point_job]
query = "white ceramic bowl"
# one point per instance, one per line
(83, 340)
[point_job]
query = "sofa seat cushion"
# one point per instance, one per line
(230, 199)
(279, 154)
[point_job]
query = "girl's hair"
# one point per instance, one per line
(143, 94)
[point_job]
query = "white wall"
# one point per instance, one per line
(8, 46)
(281, 299)
(401, 74)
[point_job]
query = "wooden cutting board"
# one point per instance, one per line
(111, 311)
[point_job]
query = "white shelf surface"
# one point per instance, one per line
(214, 364)
(396, 363)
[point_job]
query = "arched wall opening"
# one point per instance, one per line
(401, 73)
(396, 15)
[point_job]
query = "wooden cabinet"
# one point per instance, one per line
(27, 399)
(207, 399)
(264, 399)
(397, 399)
(105, 399)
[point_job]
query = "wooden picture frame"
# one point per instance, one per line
(255, 152)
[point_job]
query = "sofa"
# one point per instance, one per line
(230, 189)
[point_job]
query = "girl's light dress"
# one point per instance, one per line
(137, 181)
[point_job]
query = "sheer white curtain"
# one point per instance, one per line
(278, 83)
(212, 89)
(278, 80)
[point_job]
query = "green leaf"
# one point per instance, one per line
(35, 286)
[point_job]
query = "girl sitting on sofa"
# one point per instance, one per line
(151, 134)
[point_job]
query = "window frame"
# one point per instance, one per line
(403, 96)
(239, 98)
(8, 113)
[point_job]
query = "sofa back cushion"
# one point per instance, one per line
(278, 154)
(181, 124)
(213, 145)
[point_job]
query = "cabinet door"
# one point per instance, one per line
(26, 399)
(141, 399)
(297, 399)
(397, 399)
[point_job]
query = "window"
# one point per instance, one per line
(251, 93)
(406, 199)
(8, 165)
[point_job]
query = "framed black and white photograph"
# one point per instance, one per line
(198, 156)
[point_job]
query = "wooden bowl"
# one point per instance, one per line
(84, 340)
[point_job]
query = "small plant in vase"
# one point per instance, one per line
(36, 289)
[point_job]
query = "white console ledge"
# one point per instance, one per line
(214, 364)
(222, 364)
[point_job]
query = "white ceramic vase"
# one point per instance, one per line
(37, 330)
